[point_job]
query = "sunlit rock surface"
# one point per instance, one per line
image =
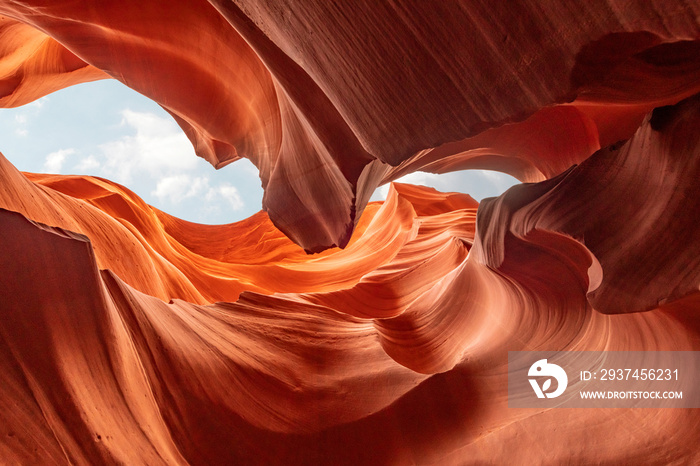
(330, 100)
(128, 336)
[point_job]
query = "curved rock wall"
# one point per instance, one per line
(128, 336)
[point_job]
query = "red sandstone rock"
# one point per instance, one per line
(129, 336)
(316, 376)
(324, 99)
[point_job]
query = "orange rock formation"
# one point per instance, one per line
(128, 336)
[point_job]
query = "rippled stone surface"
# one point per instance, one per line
(128, 336)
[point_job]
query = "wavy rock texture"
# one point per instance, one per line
(329, 101)
(128, 336)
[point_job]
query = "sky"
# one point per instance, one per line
(105, 129)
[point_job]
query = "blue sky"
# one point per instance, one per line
(105, 129)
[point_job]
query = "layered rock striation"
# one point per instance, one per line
(128, 336)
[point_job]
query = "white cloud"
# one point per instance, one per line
(54, 161)
(179, 187)
(38, 103)
(478, 183)
(158, 147)
(21, 120)
(228, 193)
(87, 164)
(500, 180)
